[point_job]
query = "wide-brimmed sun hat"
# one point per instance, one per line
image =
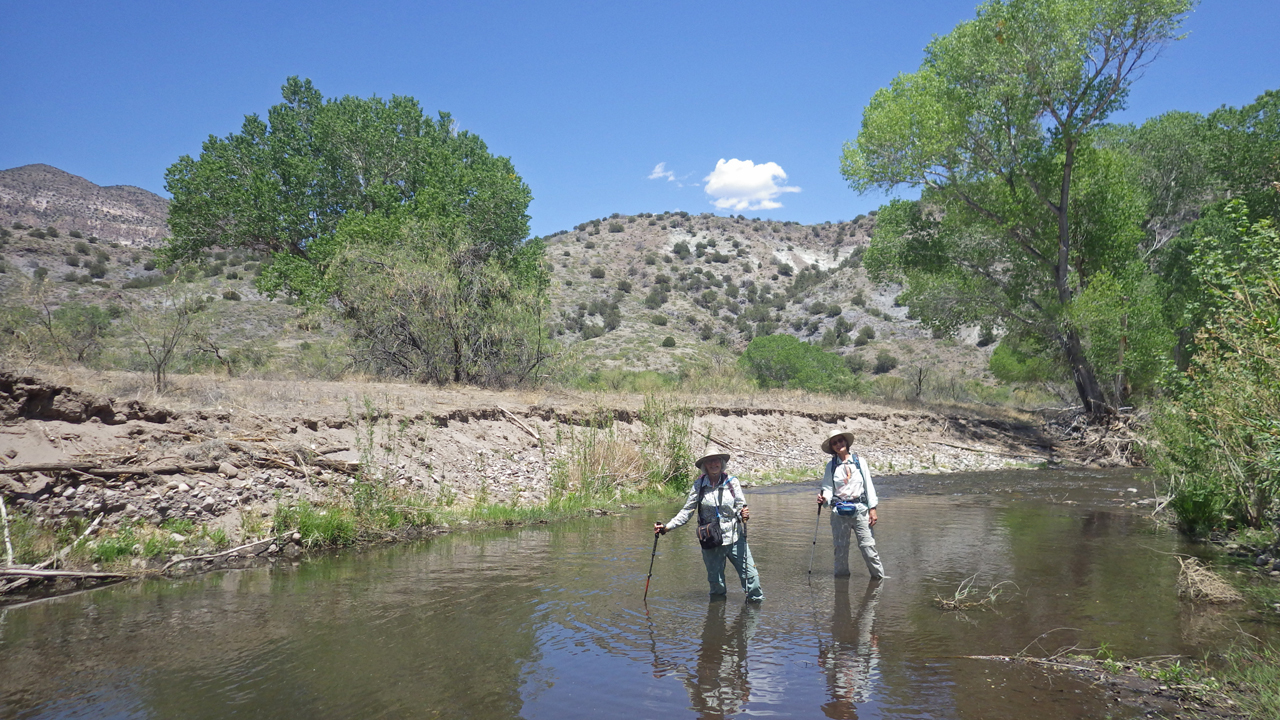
(721, 456)
(826, 444)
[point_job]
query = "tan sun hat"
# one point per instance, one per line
(826, 444)
(722, 457)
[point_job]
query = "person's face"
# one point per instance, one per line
(840, 445)
(713, 467)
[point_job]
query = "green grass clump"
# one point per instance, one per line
(329, 526)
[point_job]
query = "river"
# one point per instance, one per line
(548, 621)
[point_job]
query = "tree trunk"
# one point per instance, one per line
(1087, 385)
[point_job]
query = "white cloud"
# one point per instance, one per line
(743, 185)
(660, 171)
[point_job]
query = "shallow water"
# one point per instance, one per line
(548, 622)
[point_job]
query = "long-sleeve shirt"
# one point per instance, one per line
(727, 497)
(845, 480)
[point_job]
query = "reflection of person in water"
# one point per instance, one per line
(719, 686)
(850, 661)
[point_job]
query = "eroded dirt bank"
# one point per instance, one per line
(223, 454)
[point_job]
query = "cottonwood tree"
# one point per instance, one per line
(281, 186)
(331, 188)
(1019, 208)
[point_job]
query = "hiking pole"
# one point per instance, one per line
(645, 600)
(816, 522)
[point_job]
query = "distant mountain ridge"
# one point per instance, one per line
(43, 196)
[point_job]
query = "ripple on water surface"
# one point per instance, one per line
(548, 621)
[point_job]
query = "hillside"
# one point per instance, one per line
(622, 285)
(670, 293)
(42, 196)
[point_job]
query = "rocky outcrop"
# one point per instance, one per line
(44, 196)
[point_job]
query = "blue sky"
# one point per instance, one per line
(587, 98)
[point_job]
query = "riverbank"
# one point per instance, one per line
(104, 479)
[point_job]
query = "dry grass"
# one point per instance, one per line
(970, 597)
(1198, 583)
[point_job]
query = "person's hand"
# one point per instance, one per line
(746, 513)
(871, 517)
(659, 529)
(821, 500)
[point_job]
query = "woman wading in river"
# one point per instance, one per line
(722, 517)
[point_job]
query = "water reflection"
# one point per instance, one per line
(850, 659)
(720, 685)
(548, 622)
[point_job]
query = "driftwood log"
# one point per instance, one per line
(92, 469)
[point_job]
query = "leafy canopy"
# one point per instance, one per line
(282, 186)
(1019, 207)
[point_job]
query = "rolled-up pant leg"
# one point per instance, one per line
(714, 559)
(740, 556)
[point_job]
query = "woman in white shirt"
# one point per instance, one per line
(847, 488)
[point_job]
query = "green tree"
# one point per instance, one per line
(1218, 436)
(1241, 156)
(436, 307)
(1019, 207)
(782, 361)
(282, 186)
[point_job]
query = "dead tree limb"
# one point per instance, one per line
(524, 427)
(34, 573)
(232, 551)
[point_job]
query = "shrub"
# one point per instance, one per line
(867, 332)
(885, 362)
(230, 295)
(656, 298)
(151, 265)
(658, 319)
(785, 269)
(668, 342)
(777, 361)
(591, 330)
(40, 273)
(834, 310)
(624, 286)
(856, 363)
(36, 233)
(75, 234)
(597, 272)
(73, 261)
(616, 227)
(82, 248)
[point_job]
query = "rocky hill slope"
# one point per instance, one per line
(672, 293)
(42, 196)
(660, 291)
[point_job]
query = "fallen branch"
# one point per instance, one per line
(980, 450)
(45, 467)
(232, 551)
(34, 573)
(524, 427)
(727, 446)
(91, 469)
